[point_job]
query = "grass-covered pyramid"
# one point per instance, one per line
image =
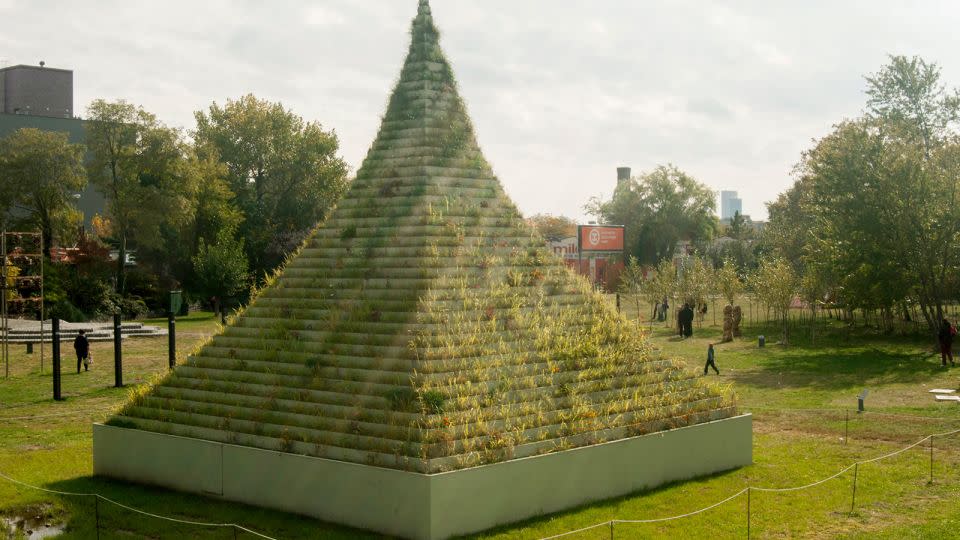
(424, 326)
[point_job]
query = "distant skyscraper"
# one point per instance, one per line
(730, 204)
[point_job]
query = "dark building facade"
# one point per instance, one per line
(36, 91)
(42, 98)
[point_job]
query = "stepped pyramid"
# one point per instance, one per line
(424, 327)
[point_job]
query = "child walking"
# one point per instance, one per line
(710, 360)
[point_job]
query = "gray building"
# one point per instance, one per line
(730, 205)
(42, 98)
(36, 91)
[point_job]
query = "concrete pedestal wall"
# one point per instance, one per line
(420, 506)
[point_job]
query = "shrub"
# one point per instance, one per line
(433, 401)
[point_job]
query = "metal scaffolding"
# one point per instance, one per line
(23, 251)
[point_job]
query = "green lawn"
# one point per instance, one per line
(791, 447)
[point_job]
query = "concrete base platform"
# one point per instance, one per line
(421, 506)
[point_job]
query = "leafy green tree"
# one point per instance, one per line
(553, 228)
(138, 164)
(221, 268)
(907, 95)
(659, 209)
(789, 231)
(39, 173)
(213, 211)
(729, 284)
(874, 210)
(284, 173)
(776, 285)
(633, 285)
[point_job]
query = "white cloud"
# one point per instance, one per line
(561, 92)
(322, 16)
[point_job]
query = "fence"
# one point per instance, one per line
(610, 525)
(98, 498)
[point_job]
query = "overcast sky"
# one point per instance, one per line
(561, 91)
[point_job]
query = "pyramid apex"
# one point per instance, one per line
(424, 8)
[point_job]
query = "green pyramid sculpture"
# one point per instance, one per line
(424, 326)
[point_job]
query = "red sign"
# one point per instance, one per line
(601, 238)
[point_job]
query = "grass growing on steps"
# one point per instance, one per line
(790, 448)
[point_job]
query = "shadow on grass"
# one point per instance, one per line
(609, 507)
(835, 369)
(83, 514)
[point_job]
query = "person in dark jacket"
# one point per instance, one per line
(82, 346)
(711, 357)
(946, 342)
(685, 320)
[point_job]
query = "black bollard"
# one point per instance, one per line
(117, 352)
(172, 338)
(29, 348)
(55, 336)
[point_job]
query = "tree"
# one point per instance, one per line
(776, 285)
(788, 232)
(728, 283)
(213, 211)
(283, 171)
(39, 173)
(221, 267)
(553, 228)
(633, 285)
(907, 93)
(874, 210)
(138, 164)
(660, 284)
(659, 209)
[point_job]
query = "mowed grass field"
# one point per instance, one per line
(799, 396)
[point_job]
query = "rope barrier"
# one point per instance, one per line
(695, 512)
(872, 413)
(761, 489)
(598, 525)
(136, 510)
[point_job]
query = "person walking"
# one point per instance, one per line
(711, 360)
(946, 335)
(664, 309)
(82, 346)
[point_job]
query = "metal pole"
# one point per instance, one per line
(3, 303)
(853, 501)
(42, 303)
(117, 352)
(55, 335)
(172, 338)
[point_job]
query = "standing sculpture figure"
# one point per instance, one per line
(737, 317)
(728, 324)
